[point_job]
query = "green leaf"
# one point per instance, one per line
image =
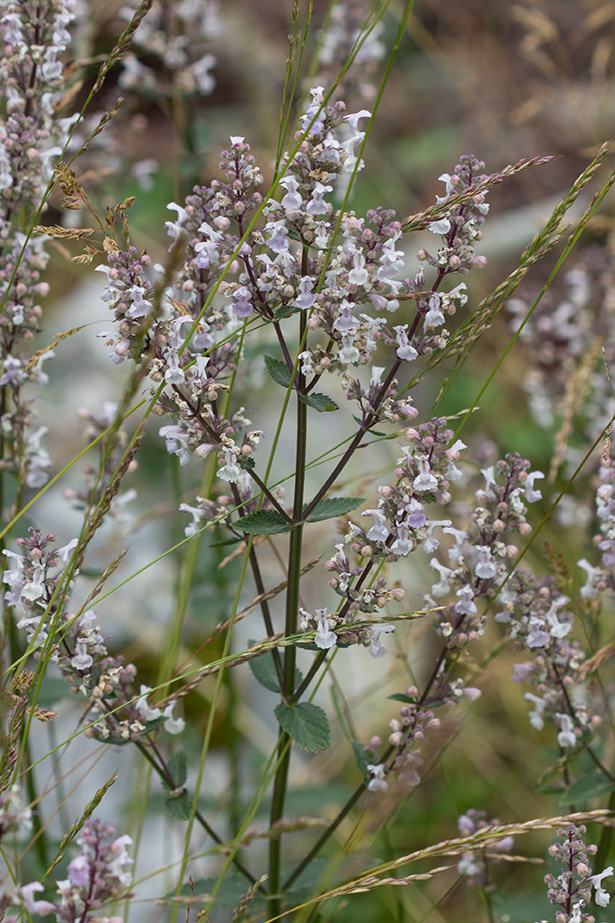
(320, 402)
(178, 767)
(264, 672)
(334, 506)
(285, 311)
(309, 879)
(360, 756)
(278, 370)
(586, 789)
(307, 724)
(401, 697)
(179, 806)
(263, 522)
(371, 432)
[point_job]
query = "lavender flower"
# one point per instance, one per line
(96, 876)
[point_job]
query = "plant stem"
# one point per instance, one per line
(292, 606)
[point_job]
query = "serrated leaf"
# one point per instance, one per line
(320, 402)
(178, 767)
(179, 806)
(264, 672)
(334, 506)
(263, 522)
(360, 756)
(306, 724)
(278, 370)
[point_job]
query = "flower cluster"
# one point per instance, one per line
(475, 864)
(562, 343)
(100, 873)
(399, 527)
(407, 734)
(168, 55)
(33, 38)
(481, 557)
(14, 818)
(539, 621)
(78, 647)
(97, 478)
(571, 891)
(601, 578)
(335, 629)
(343, 34)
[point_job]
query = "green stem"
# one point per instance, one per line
(292, 607)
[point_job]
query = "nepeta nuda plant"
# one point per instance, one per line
(282, 277)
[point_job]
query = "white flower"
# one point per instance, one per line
(443, 587)
(197, 514)
(566, 736)
(82, 660)
(536, 719)
(325, 638)
(377, 648)
(377, 783)
(601, 896)
(589, 590)
(379, 531)
(442, 226)
(532, 495)
(425, 480)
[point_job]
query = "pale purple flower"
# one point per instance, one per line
(37, 907)
(465, 606)
(306, 299)
(292, 201)
(79, 871)
(486, 567)
(317, 205)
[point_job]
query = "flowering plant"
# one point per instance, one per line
(284, 335)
